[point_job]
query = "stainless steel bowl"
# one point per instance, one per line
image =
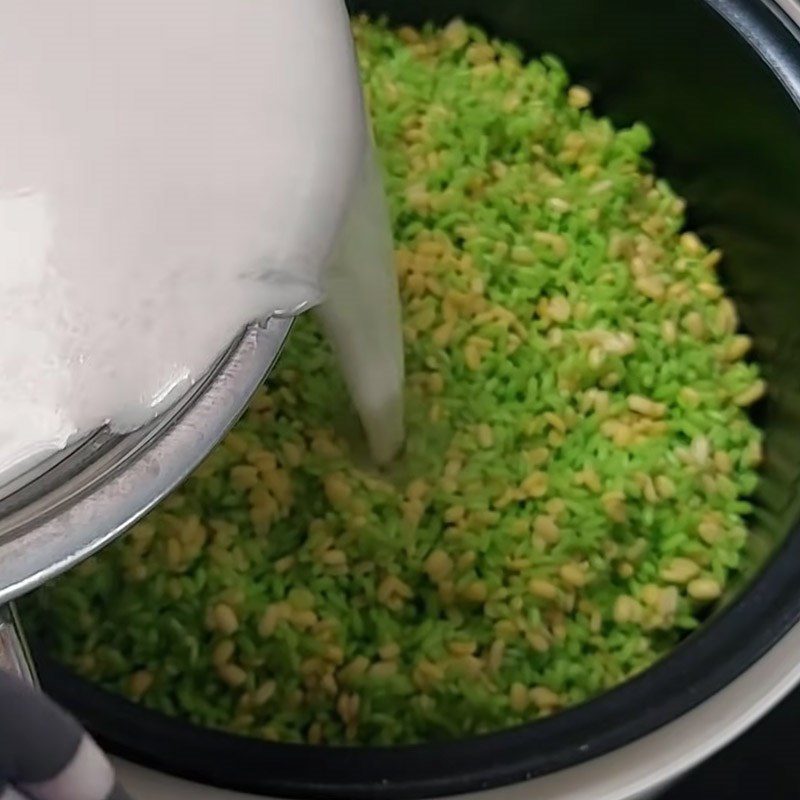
(70, 506)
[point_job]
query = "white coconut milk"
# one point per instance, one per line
(171, 170)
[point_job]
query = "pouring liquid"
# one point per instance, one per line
(169, 172)
(361, 316)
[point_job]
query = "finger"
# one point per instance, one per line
(45, 753)
(39, 739)
(10, 793)
(87, 776)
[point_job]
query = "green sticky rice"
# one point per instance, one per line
(572, 497)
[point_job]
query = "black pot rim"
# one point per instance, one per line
(705, 663)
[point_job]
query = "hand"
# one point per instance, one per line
(44, 752)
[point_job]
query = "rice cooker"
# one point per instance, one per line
(718, 81)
